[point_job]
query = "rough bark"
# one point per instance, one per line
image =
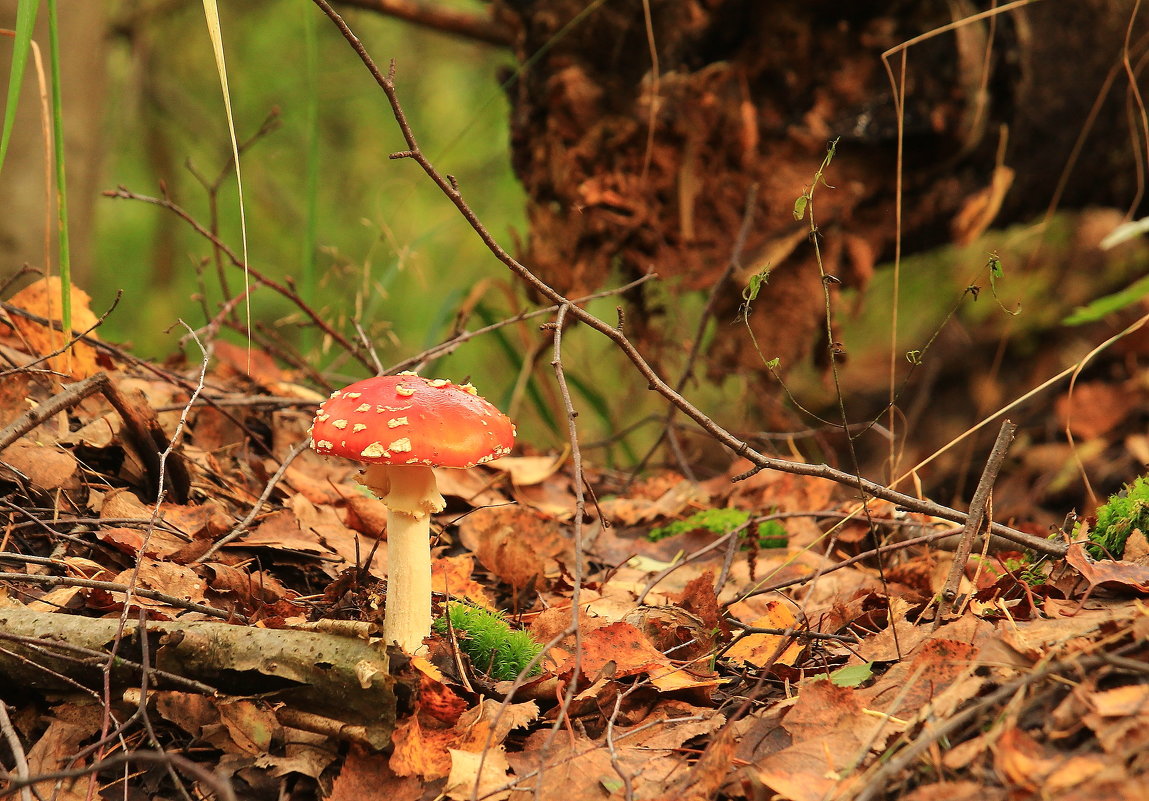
(634, 169)
(326, 676)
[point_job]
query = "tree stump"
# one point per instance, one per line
(636, 165)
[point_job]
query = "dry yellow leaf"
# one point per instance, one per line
(42, 298)
(761, 650)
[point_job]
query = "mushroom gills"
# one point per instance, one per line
(410, 489)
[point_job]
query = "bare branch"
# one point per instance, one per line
(477, 28)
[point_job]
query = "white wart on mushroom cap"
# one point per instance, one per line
(407, 419)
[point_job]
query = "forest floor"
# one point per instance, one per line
(733, 639)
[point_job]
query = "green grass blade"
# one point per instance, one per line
(1103, 306)
(25, 22)
(307, 284)
(61, 183)
(211, 15)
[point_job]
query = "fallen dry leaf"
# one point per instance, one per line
(621, 646)
(367, 775)
(677, 499)
(156, 543)
(673, 630)
(811, 771)
(237, 361)
(252, 726)
(437, 705)
(1020, 760)
(936, 665)
(1094, 408)
(1108, 572)
(706, 776)
(190, 711)
(822, 708)
(475, 486)
(46, 466)
(762, 650)
(956, 791)
(68, 726)
(14, 396)
(561, 769)
(365, 513)
(166, 577)
(1131, 700)
(280, 530)
(517, 544)
(490, 721)
(451, 575)
(526, 471)
(122, 504)
(420, 752)
(43, 298)
(477, 775)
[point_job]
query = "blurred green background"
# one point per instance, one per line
(390, 250)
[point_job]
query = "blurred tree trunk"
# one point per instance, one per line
(28, 224)
(639, 128)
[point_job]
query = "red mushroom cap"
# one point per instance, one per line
(409, 420)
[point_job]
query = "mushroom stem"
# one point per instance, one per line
(407, 612)
(412, 497)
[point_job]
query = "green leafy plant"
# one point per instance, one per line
(489, 641)
(770, 533)
(1026, 568)
(1117, 518)
(717, 521)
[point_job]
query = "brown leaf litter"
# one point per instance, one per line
(244, 622)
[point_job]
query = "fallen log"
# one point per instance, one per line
(335, 684)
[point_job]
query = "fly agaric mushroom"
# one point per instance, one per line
(402, 426)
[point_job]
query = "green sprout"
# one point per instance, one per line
(1117, 518)
(1027, 569)
(489, 641)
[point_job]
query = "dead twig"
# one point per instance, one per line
(315, 672)
(449, 345)
(112, 586)
(580, 511)
(733, 265)
(91, 656)
(20, 772)
(977, 517)
(801, 634)
(66, 399)
(213, 781)
(853, 560)
(435, 17)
